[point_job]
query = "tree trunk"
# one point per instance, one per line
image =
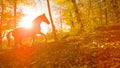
(1, 22)
(61, 27)
(89, 12)
(116, 10)
(77, 13)
(100, 11)
(53, 27)
(72, 23)
(15, 7)
(106, 15)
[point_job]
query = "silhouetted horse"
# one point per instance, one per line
(21, 33)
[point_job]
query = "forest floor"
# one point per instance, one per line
(98, 49)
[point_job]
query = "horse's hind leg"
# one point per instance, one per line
(44, 38)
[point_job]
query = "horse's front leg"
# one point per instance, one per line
(43, 36)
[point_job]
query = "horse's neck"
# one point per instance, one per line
(36, 26)
(38, 19)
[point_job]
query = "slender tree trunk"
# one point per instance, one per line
(76, 10)
(15, 7)
(116, 8)
(115, 12)
(106, 15)
(53, 27)
(1, 22)
(71, 20)
(77, 13)
(61, 21)
(89, 11)
(100, 11)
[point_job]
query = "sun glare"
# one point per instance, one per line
(26, 21)
(32, 13)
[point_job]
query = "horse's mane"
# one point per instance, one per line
(38, 19)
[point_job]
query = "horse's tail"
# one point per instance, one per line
(8, 37)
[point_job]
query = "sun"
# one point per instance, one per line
(26, 22)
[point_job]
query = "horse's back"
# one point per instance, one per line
(20, 32)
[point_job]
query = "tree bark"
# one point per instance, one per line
(116, 10)
(100, 11)
(15, 7)
(77, 13)
(106, 15)
(1, 22)
(53, 27)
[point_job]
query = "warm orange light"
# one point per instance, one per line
(22, 54)
(31, 14)
(45, 27)
(26, 25)
(26, 21)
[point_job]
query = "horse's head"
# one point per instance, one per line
(44, 18)
(37, 21)
(41, 18)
